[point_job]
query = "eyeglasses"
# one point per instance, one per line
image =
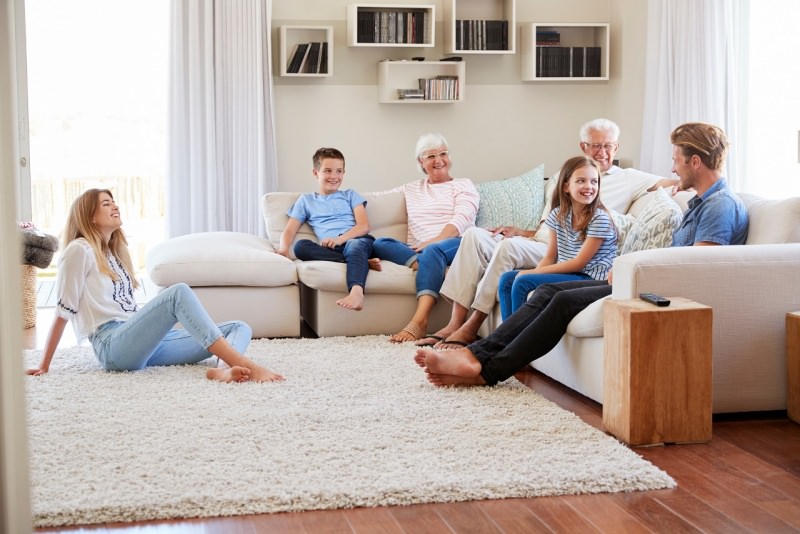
(430, 157)
(596, 147)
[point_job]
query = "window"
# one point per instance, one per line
(97, 95)
(773, 117)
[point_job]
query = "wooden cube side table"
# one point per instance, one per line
(657, 371)
(793, 365)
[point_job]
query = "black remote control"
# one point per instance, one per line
(652, 298)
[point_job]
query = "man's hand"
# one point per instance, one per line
(507, 231)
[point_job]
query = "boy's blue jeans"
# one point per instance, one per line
(354, 253)
(432, 261)
(513, 290)
(149, 338)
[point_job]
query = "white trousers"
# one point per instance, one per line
(473, 276)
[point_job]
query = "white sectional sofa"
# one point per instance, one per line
(750, 288)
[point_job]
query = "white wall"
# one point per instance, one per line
(504, 126)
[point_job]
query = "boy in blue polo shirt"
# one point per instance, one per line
(339, 220)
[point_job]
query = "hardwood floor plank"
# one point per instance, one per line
(325, 522)
(512, 516)
(559, 516)
(372, 520)
(466, 517)
(420, 518)
(603, 512)
(645, 507)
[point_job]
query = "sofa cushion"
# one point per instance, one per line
(772, 221)
(654, 226)
(623, 222)
(219, 259)
(516, 201)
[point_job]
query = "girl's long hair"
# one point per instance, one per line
(79, 224)
(562, 198)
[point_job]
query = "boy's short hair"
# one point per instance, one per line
(326, 153)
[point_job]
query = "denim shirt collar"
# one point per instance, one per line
(696, 200)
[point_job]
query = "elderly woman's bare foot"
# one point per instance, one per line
(229, 374)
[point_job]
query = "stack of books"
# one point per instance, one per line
(568, 61)
(392, 27)
(309, 58)
(410, 94)
(481, 34)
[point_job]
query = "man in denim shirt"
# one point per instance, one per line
(715, 216)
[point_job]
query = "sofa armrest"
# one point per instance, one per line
(750, 289)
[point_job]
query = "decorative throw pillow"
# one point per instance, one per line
(517, 201)
(655, 224)
(624, 223)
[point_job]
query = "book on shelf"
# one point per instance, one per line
(548, 38)
(323, 58)
(300, 52)
(442, 87)
(312, 62)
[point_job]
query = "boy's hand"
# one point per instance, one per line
(283, 252)
(329, 242)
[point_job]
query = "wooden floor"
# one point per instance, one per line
(747, 479)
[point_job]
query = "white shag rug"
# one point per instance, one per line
(354, 424)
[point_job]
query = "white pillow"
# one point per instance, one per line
(624, 223)
(772, 220)
(655, 225)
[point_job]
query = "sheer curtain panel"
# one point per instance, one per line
(693, 68)
(221, 125)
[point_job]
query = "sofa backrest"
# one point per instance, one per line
(386, 213)
(772, 221)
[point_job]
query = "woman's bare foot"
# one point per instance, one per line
(262, 374)
(353, 301)
(460, 363)
(375, 264)
(229, 374)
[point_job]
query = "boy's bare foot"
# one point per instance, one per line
(375, 264)
(229, 374)
(460, 363)
(353, 301)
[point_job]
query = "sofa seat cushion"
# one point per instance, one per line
(219, 259)
(330, 276)
(589, 322)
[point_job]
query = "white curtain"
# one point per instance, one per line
(694, 62)
(222, 155)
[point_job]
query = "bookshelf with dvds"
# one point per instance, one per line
(399, 82)
(479, 26)
(565, 51)
(391, 25)
(306, 51)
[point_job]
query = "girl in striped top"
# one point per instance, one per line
(583, 238)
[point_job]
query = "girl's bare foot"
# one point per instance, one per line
(229, 374)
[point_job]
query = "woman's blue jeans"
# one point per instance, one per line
(148, 338)
(354, 253)
(513, 290)
(432, 262)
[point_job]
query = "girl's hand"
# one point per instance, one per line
(527, 271)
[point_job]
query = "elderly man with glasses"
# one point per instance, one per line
(485, 254)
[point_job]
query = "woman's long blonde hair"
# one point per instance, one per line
(79, 224)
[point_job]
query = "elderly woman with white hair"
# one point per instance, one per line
(440, 209)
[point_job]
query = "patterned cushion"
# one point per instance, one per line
(654, 226)
(624, 222)
(517, 201)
